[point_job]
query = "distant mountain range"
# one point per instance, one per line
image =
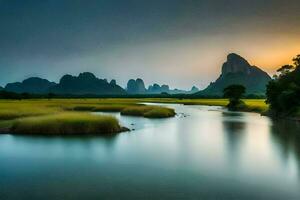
(86, 83)
(138, 87)
(32, 85)
(237, 70)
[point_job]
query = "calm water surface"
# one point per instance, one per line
(203, 153)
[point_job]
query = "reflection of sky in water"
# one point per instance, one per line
(209, 152)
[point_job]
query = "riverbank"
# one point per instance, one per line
(67, 123)
(206, 143)
(72, 116)
(12, 110)
(251, 105)
(285, 116)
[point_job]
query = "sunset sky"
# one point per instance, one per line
(177, 42)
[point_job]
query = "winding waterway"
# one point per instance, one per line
(202, 153)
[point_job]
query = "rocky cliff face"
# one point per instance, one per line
(157, 89)
(236, 64)
(136, 86)
(32, 85)
(237, 70)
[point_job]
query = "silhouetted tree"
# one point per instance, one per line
(283, 92)
(285, 69)
(234, 93)
(296, 60)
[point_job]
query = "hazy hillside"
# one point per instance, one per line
(138, 87)
(32, 85)
(86, 83)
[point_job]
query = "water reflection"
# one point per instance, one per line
(50, 147)
(286, 134)
(233, 122)
(234, 129)
(211, 153)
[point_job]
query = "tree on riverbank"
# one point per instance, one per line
(283, 92)
(235, 93)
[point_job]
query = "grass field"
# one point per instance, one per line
(252, 105)
(30, 113)
(67, 123)
(148, 111)
(36, 115)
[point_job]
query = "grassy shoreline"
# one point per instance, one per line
(14, 111)
(252, 105)
(69, 116)
(149, 111)
(68, 123)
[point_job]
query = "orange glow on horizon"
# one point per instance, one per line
(271, 62)
(273, 57)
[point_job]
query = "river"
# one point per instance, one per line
(202, 153)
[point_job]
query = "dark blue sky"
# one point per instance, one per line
(178, 42)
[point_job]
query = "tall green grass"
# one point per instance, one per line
(62, 116)
(99, 108)
(149, 111)
(12, 110)
(67, 124)
(160, 113)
